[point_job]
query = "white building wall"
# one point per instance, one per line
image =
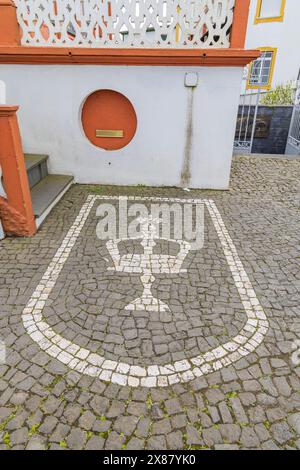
(2, 192)
(285, 36)
(51, 96)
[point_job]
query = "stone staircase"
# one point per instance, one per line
(46, 190)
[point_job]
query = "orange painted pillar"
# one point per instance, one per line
(16, 211)
(9, 27)
(239, 25)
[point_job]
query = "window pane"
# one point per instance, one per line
(261, 69)
(270, 8)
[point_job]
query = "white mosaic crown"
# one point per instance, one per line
(148, 263)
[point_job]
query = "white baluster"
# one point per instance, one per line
(95, 25)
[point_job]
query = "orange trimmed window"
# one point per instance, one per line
(261, 69)
(269, 10)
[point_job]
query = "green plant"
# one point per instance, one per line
(231, 395)
(33, 429)
(267, 424)
(282, 94)
(149, 401)
(6, 439)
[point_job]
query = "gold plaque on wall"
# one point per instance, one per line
(109, 133)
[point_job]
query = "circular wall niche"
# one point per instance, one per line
(108, 119)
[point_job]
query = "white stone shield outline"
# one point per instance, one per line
(86, 362)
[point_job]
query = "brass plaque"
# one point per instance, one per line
(109, 133)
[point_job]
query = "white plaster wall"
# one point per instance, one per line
(50, 98)
(2, 92)
(283, 35)
(2, 192)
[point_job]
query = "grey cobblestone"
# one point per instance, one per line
(294, 422)
(87, 420)
(48, 425)
(76, 439)
(126, 425)
(193, 436)
(281, 432)
(157, 442)
(162, 427)
(253, 403)
(249, 439)
(95, 443)
(212, 436)
(135, 444)
(20, 436)
(36, 443)
(174, 440)
(238, 410)
(230, 432)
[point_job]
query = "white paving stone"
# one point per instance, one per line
(154, 375)
(138, 371)
(105, 375)
(119, 379)
(110, 365)
(95, 359)
(123, 368)
(133, 381)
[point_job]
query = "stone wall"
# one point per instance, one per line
(271, 130)
(280, 119)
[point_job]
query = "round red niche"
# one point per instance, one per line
(108, 119)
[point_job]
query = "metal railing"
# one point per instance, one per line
(294, 133)
(247, 116)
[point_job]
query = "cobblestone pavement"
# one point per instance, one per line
(46, 401)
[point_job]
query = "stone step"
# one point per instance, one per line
(36, 166)
(47, 192)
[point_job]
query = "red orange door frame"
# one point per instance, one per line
(16, 210)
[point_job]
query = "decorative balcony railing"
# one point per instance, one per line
(126, 23)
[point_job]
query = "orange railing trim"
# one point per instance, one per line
(9, 27)
(10, 37)
(114, 56)
(240, 23)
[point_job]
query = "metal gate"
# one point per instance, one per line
(247, 116)
(293, 143)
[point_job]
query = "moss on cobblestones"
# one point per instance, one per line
(8, 419)
(105, 434)
(267, 424)
(231, 395)
(34, 429)
(149, 401)
(6, 439)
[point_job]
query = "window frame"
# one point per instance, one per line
(268, 86)
(279, 18)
